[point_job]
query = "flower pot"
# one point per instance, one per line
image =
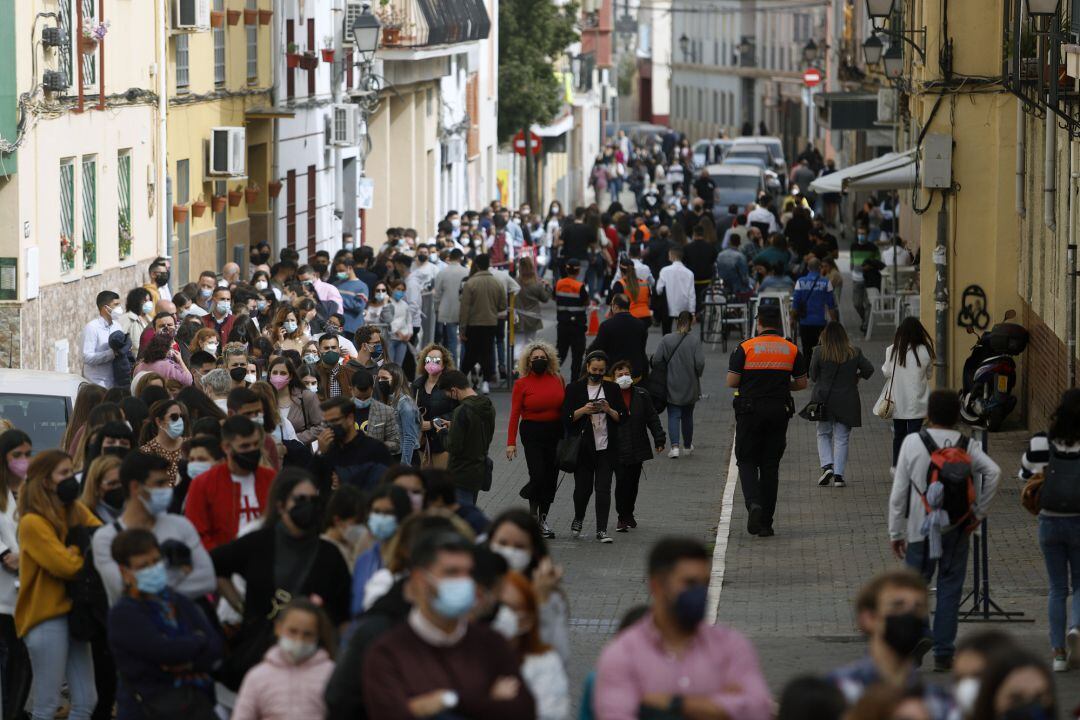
(218, 203)
(217, 18)
(233, 16)
(292, 60)
(274, 188)
(198, 208)
(88, 45)
(235, 196)
(309, 61)
(264, 16)
(328, 55)
(251, 195)
(391, 35)
(251, 17)
(179, 213)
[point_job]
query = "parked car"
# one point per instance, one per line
(39, 403)
(772, 180)
(735, 185)
(710, 152)
(776, 150)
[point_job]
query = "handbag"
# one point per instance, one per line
(566, 453)
(1029, 496)
(658, 379)
(884, 407)
(816, 411)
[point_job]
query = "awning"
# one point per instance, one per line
(888, 172)
(268, 113)
(555, 129)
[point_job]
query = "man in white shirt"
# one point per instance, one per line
(941, 548)
(896, 254)
(761, 214)
(676, 282)
(97, 355)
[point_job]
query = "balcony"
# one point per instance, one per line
(418, 29)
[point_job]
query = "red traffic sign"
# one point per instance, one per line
(811, 77)
(519, 143)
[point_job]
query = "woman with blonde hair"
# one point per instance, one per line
(835, 369)
(101, 490)
(433, 403)
(537, 402)
(527, 304)
(205, 340)
(285, 331)
(88, 398)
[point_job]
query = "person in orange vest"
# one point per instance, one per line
(572, 303)
(765, 370)
(636, 289)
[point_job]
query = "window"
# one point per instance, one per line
(221, 226)
(219, 47)
(183, 76)
(290, 209)
(89, 211)
(253, 47)
(428, 101)
(66, 20)
(700, 105)
(67, 215)
(123, 205)
(715, 107)
(311, 225)
(290, 75)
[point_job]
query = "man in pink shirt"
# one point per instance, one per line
(671, 661)
(323, 290)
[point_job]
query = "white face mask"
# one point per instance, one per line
(516, 558)
(355, 534)
(624, 382)
(117, 313)
(965, 692)
(313, 387)
(250, 378)
(505, 622)
(296, 651)
(260, 285)
(258, 420)
(211, 348)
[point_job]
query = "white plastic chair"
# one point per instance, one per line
(881, 306)
(783, 299)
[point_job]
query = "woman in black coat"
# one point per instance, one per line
(634, 446)
(594, 409)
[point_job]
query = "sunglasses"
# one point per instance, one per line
(433, 359)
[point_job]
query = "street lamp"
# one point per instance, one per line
(366, 32)
(684, 45)
(810, 51)
(872, 50)
(879, 9)
(894, 61)
(1043, 8)
(746, 52)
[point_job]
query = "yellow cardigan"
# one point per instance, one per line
(45, 566)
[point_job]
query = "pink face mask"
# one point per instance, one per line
(279, 381)
(433, 368)
(18, 466)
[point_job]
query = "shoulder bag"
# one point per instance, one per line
(658, 379)
(817, 411)
(1061, 487)
(884, 407)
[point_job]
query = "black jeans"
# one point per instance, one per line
(540, 440)
(104, 679)
(627, 478)
(594, 470)
(480, 348)
(900, 430)
(760, 441)
(569, 339)
(810, 335)
(14, 669)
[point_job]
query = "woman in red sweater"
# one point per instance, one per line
(537, 402)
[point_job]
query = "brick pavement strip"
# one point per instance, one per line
(791, 593)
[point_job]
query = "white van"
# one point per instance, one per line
(39, 403)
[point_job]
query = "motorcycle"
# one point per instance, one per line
(990, 374)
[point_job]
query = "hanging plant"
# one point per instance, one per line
(309, 61)
(251, 193)
(179, 213)
(292, 56)
(67, 254)
(217, 18)
(125, 238)
(233, 16)
(218, 203)
(251, 17)
(328, 49)
(235, 196)
(274, 188)
(264, 16)
(198, 207)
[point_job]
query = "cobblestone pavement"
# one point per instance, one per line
(791, 593)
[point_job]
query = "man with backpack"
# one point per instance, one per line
(942, 489)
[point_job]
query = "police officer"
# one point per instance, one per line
(572, 302)
(765, 369)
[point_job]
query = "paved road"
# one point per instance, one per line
(792, 593)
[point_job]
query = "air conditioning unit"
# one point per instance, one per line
(353, 9)
(228, 152)
(191, 14)
(344, 125)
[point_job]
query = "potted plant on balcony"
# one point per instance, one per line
(217, 18)
(274, 188)
(232, 16)
(328, 49)
(292, 56)
(251, 16)
(251, 193)
(264, 16)
(392, 21)
(198, 207)
(179, 213)
(67, 254)
(92, 36)
(125, 237)
(218, 203)
(235, 196)
(309, 60)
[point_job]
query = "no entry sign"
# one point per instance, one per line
(519, 143)
(811, 77)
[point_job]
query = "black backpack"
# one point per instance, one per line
(1061, 485)
(89, 603)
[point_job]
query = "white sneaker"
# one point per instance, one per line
(1061, 663)
(688, 449)
(485, 388)
(673, 453)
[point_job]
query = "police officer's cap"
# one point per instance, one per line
(573, 263)
(769, 316)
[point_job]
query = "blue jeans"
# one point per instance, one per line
(951, 570)
(680, 415)
(398, 348)
(466, 497)
(54, 655)
(900, 430)
(1059, 539)
(447, 334)
(832, 445)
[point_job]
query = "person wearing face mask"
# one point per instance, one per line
(289, 681)
(387, 510)
(101, 488)
(138, 314)
(379, 311)
(536, 402)
(393, 389)
(974, 654)
(220, 319)
(634, 446)
(1017, 686)
(295, 401)
(897, 628)
(162, 357)
(163, 645)
(862, 251)
(164, 433)
(146, 496)
(717, 672)
(48, 509)
(345, 454)
(231, 495)
(376, 419)
(485, 683)
(97, 354)
(284, 559)
(354, 294)
(541, 667)
(285, 330)
(433, 403)
(446, 292)
(343, 524)
(201, 452)
(468, 436)
(15, 452)
(401, 330)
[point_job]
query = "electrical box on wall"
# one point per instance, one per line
(936, 168)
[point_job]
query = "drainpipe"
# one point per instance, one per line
(1021, 130)
(337, 71)
(276, 78)
(1050, 170)
(941, 296)
(1070, 272)
(164, 219)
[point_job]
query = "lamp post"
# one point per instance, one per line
(810, 52)
(366, 32)
(684, 45)
(894, 61)
(879, 9)
(1043, 8)
(872, 50)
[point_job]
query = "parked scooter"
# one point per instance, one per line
(990, 374)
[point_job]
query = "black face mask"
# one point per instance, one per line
(339, 432)
(539, 365)
(68, 490)
(238, 373)
(903, 632)
(1033, 710)
(114, 498)
(304, 514)
(320, 268)
(384, 388)
(117, 450)
(248, 460)
(161, 278)
(595, 378)
(689, 607)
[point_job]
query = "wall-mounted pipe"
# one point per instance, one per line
(1050, 173)
(1021, 129)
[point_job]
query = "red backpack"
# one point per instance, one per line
(950, 466)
